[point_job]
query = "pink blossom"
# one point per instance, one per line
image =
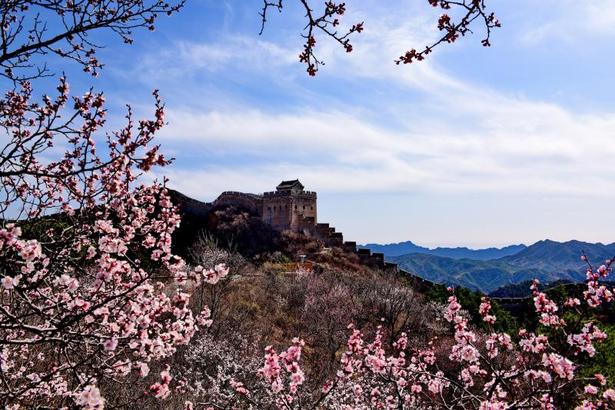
(589, 389)
(110, 344)
(143, 369)
(563, 367)
(8, 282)
(485, 309)
(239, 387)
(90, 399)
(31, 250)
(600, 378)
(161, 389)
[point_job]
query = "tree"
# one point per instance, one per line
(31, 30)
(90, 288)
(328, 23)
(540, 369)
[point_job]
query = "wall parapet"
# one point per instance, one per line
(304, 194)
(240, 194)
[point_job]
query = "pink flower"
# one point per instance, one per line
(90, 399)
(493, 405)
(357, 390)
(91, 252)
(161, 390)
(589, 389)
(571, 302)
(31, 250)
(239, 387)
(8, 282)
(435, 386)
(143, 369)
(560, 365)
(600, 378)
(484, 309)
(110, 344)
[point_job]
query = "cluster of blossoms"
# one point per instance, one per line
(327, 23)
(596, 294)
(545, 307)
(282, 373)
(80, 300)
(484, 310)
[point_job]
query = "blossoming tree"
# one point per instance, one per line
(89, 286)
(478, 370)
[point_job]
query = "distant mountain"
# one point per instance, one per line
(404, 248)
(560, 256)
(395, 249)
(547, 261)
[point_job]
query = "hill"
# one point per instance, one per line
(560, 256)
(548, 261)
(407, 247)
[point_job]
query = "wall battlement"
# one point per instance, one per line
(304, 194)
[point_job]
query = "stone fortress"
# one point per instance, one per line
(289, 207)
(292, 208)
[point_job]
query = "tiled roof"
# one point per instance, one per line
(285, 185)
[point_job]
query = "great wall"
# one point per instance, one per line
(292, 208)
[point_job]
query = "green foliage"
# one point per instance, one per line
(470, 301)
(38, 228)
(604, 359)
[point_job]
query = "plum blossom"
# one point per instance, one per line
(90, 399)
(77, 283)
(484, 310)
(8, 283)
(161, 389)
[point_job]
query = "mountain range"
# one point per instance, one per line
(404, 248)
(547, 261)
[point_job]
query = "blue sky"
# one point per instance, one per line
(472, 147)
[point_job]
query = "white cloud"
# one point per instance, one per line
(232, 49)
(464, 138)
(570, 21)
(514, 146)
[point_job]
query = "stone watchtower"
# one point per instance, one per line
(289, 207)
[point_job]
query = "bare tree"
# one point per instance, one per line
(30, 30)
(328, 23)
